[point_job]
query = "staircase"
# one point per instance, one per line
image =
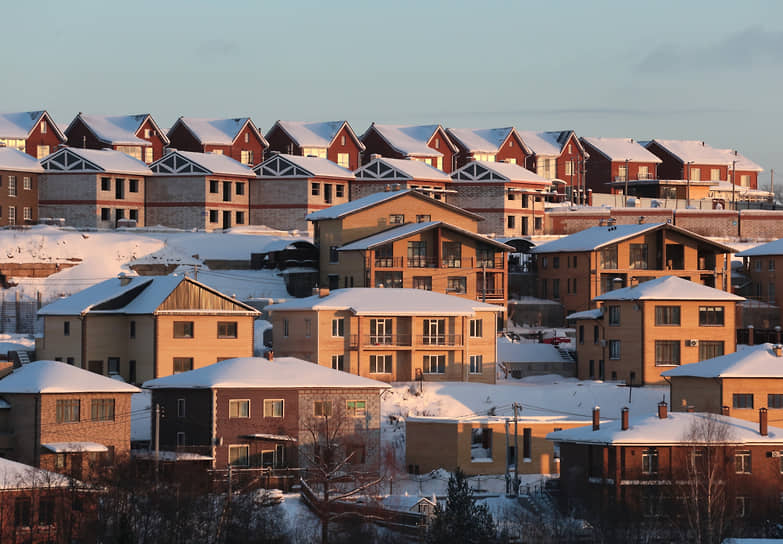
(24, 357)
(566, 355)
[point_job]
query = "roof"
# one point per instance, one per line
(668, 288)
(503, 170)
(258, 372)
(70, 447)
(207, 163)
(701, 153)
(398, 169)
(315, 134)
(347, 208)
(621, 149)
(403, 231)
(757, 361)
(104, 160)
(515, 352)
(775, 247)
(18, 125)
(283, 165)
(674, 429)
(216, 131)
(384, 301)
(586, 314)
(480, 140)
(57, 377)
(543, 143)
(115, 129)
(15, 475)
(409, 139)
(13, 159)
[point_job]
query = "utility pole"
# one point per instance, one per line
(508, 482)
(516, 450)
(157, 442)
(483, 282)
(626, 183)
(733, 185)
(195, 271)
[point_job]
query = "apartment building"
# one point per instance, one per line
(382, 173)
(614, 161)
(136, 135)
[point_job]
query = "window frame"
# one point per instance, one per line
(272, 403)
(102, 409)
(387, 362)
(239, 409)
(668, 315)
(230, 324)
(356, 408)
(179, 361)
(68, 411)
(246, 456)
(708, 316)
(183, 333)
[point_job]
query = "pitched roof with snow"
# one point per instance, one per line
(13, 159)
(621, 149)
(775, 247)
(386, 169)
(674, 429)
(480, 140)
(216, 131)
(14, 475)
(178, 163)
(587, 314)
(74, 159)
(252, 372)
(702, 153)
(408, 229)
(410, 139)
(18, 125)
(57, 377)
(544, 143)
(286, 166)
(115, 129)
(741, 162)
(315, 134)
(668, 288)
(376, 301)
(757, 361)
(497, 171)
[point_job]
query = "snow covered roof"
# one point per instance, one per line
(15, 475)
(70, 447)
(410, 139)
(775, 247)
(587, 314)
(742, 162)
(177, 162)
(76, 159)
(171, 456)
(13, 159)
(621, 149)
(757, 361)
(674, 429)
(18, 125)
(702, 153)
(283, 165)
(383, 301)
(515, 352)
(397, 233)
(545, 143)
(252, 372)
(315, 134)
(216, 131)
(480, 140)
(400, 169)
(668, 288)
(271, 437)
(497, 171)
(57, 377)
(116, 129)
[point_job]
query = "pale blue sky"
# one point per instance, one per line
(707, 70)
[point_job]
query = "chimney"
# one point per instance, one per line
(596, 418)
(778, 348)
(724, 410)
(763, 421)
(270, 355)
(624, 418)
(662, 410)
(323, 292)
(124, 278)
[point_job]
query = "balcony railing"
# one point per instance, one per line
(432, 262)
(490, 293)
(386, 340)
(439, 339)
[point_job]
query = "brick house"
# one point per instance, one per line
(382, 172)
(198, 191)
(136, 135)
(259, 412)
(617, 160)
(425, 143)
(557, 155)
(508, 196)
(390, 334)
(32, 132)
(332, 140)
(18, 187)
(59, 417)
(93, 187)
(237, 138)
(490, 144)
(144, 327)
(638, 332)
(289, 187)
(577, 268)
(759, 265)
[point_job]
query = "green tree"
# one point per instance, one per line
(462, 521)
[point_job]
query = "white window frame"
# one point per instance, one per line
(476, 364)
(269, 408)
(338, 327)
(236, 447)
(235, 405)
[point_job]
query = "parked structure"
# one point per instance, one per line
(383, 173)
(558, 155)
(18, 187)
(31, 132)
(489, 145)
(237, 138)
(613, 161)
(425, 143)
(333, 140)
(136, 135)
(144, 327)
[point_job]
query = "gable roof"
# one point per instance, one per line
(18, 125)
(258, 372)
(410, 139)
(178, 163)
(347, 208)
(388, 301)
(481, 140)
(13, 159)
(668, 288)
(497, 171)
(315, 134)
(386, 169)
(775, 247)
(117, 129)
(403, 231)
(702, 153)
(14, 475)
(73, 159)
(621, 149)
(757, 361)
(295, 166)
(57, 377)
(548, 143)
(217, 131)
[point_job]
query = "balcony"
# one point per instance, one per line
(431, 262)
(439, 340)
(490, 294)
(381, 340)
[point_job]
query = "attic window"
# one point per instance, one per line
(247, 137)
(43, 127)
(342, 139)
(437, 143)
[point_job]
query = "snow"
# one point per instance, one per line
(512, 172)
(213, 131)
(57, 377)
(740, 162)
(13, 159)
(701, 153)
(116, 129)
(542, 143)
(587, 314)
(318, 134)
(622, 149)
(84, 300)
(16, 342)
(18, 125)
(106, 160)
(272, 437)
(213, 162)
(246, 372)
(410, 169)
(341, 210)
(15, 475)
(408, 229)
(170, 456)
(527, 352)
(69, 447)
(388, 302)
(409, 139)
(259, 327)
(770, 248)
(315, 166)
(481, 140)
(594, 238)
(757, 361)
(668, 288)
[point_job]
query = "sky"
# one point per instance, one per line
(702, 70)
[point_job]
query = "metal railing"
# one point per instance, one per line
(432, 262)
(439, 339)
(386, 340)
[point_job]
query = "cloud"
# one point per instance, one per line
(217, 49)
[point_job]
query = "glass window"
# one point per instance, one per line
(344, 160)
(226, 329)
(214, 186)
(240, 188)
(457, 284)
(338, 327)
(315, 189)
(434, 364)
(614, 315)
(180, 407)
(26, 183)
(338, 362)
(476, 364)
(711, 316)
(422, 282)
(742, 462)
(148, 158)
(609, 257)
(650, 461)
(339, 191)
(480, 443)
(667, 315)
(742, 400)
(23, 507)
(239, 408)
(213, 216)
(614, 349)
(380, 364)
(102, 409)
(183, 329)
(322, 408)
(638, 256)
(183, 364)
(239, 456)
(710, 348)
(476, 328)
(396, 219)
(667, 352)
(775, 400)
(67, 411)
(356, 408)
(273, 407)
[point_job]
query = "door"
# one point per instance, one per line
(226, 220)
(119, 188)
(328, 193)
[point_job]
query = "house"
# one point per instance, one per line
(558, 155)
(627, 467)
(638, 332)
(136, 135)
(289, 187)
(93, 188)
(577, 268)
(735, 383)
(489, 145)
(617, 160)
(61, 418)
(32, 132)
(390, 334)
(260, 412)
(481, 445)
(333, 140)
(759, 264)
(425, 143)
(382, 173)
(508, 196)
(237, 138)
(198, 191)
(144, 327)
(19, 174)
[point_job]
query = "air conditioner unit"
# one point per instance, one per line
(692, 343)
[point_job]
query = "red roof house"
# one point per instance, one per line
(33, 132)
(425, 143)
(489, 144)
(237, 138)
(333, 140)
(136, 135)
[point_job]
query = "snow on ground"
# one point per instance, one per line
(260, 325)
(16, 342)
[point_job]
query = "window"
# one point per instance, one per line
(315, 189)
(67, 411)
(556, 288)
(239, 456)
(27, 185)
(334, 256)
(132, 329)
(614, 349)
(710, 316)
(452, 254)
(709, 349)
(344, 160)
(308, 327)
(246, 157)
(181, 408)
(214, 186)
(714, 174)
(396, 219)
(609, 257)
(213, 216)
(183, 329)
(510, 222)
(45, 511)
(667, 352)
(476, 364)
(22, 510)
(338, 362)
(667, 315)
(105, 214)
(240, 188)
(356, 408)
(434, 364)
(457, 284)
(422, 282)
(380, 364)
(476, 328)
(239, 218)
(102, 410)
(595, 334)
(742, 400)
(66, 328)
(41, 151)
(226, 329)
(480, 444)
(638, 256)
(285, 328)
(774, 400)
(148, 154)
(434, 331)
(180, 438)
(338, 327)
(239, 408)
(742, 503)
(742, 462)
(614, 315)
(380, 331)
(183, 364)
(695, 174)
(339, 191)
(322, 408)
(555, 262)
(650, 461)
(417, 254)
(273, 407)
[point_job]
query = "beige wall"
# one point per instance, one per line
(710, 394)
(55, 345)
